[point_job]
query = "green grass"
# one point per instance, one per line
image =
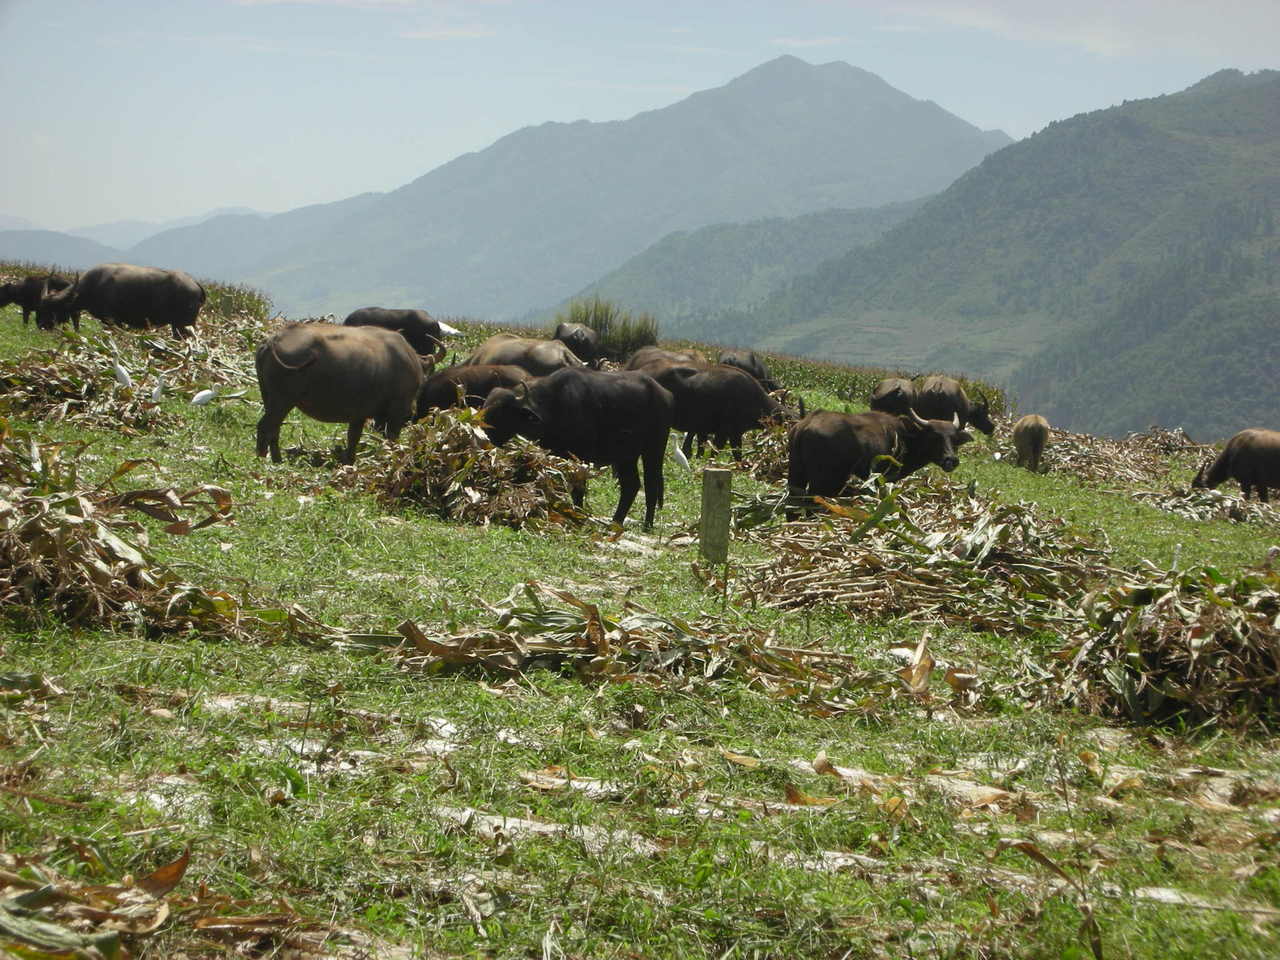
(335, 794)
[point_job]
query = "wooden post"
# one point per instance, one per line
(713, 533)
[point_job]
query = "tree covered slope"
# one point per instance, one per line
(1043, 266)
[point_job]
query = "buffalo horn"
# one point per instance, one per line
(919, 420)
(521, 391)
(955, 420)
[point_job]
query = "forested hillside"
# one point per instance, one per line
(687, 277)
(1108, 256)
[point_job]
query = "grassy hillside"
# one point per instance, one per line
(1059, 244)
(333, 721)
(687, 277)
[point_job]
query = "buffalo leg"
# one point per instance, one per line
(269, 430)
(354, 429)
(26, 315)
(628, 486)
(654, 483)
(1262, 494)
(686, 445)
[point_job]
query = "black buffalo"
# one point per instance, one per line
(894, 395)
(613, 419)
(658, 356)
(417, 326)
(29, 291)
(827, 448)
(941, 398)
(581, 339)
(126, 294)
(539, 357)
(336, 374)
(719, 403)
(750, 361)
(476, 383)
(1251, 458)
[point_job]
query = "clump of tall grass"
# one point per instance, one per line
(230, 299)
(621, 332)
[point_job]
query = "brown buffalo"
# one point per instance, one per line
(941, 398)
(1251, 458)
(584, 341)
(129, 295)
(894, 395)
(719, 403)
(752, 363)
(336, 374)
(29, 291)
(656, 356)
(539, 357)
(1030, 434)
(475, 383)
(827, 448)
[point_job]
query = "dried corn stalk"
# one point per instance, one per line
(446, 465)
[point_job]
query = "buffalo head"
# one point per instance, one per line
(508, 412)
(931, 441)
(980, 414)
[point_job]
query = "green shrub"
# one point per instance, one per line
(621, 332)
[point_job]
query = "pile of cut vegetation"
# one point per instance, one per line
(531, 631)
(1191, 646)
(79, 385)
(68, 549)
(926, 549)
(1139, 459)
(446, 465)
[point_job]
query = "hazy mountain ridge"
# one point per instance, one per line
(689, 276)
(123, 234)
(1043, 242)
(547, 209)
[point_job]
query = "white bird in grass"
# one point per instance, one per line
(678, 454)
(203, 397)
(122, 375)
(157, 391)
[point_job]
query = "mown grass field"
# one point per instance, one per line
(358, 799)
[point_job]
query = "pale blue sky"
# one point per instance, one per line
(155, 109)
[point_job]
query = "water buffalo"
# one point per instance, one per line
(827, 448)
(613, 419)
(417, 326)
(719, 402)
(750, 361)
(941, 398)
(336, 374)
(539, 357)
(649, 356)
(1251, 458)
(581, 339)
(894, 395)
(129, 295)
(1030, 434)
(29, 291)
(477, 382)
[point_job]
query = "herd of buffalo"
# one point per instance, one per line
(379, 365)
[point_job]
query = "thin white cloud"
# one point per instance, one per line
(448, 33)
(1230, 29)
(370, 4)
(805, 42)
(681, 48)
